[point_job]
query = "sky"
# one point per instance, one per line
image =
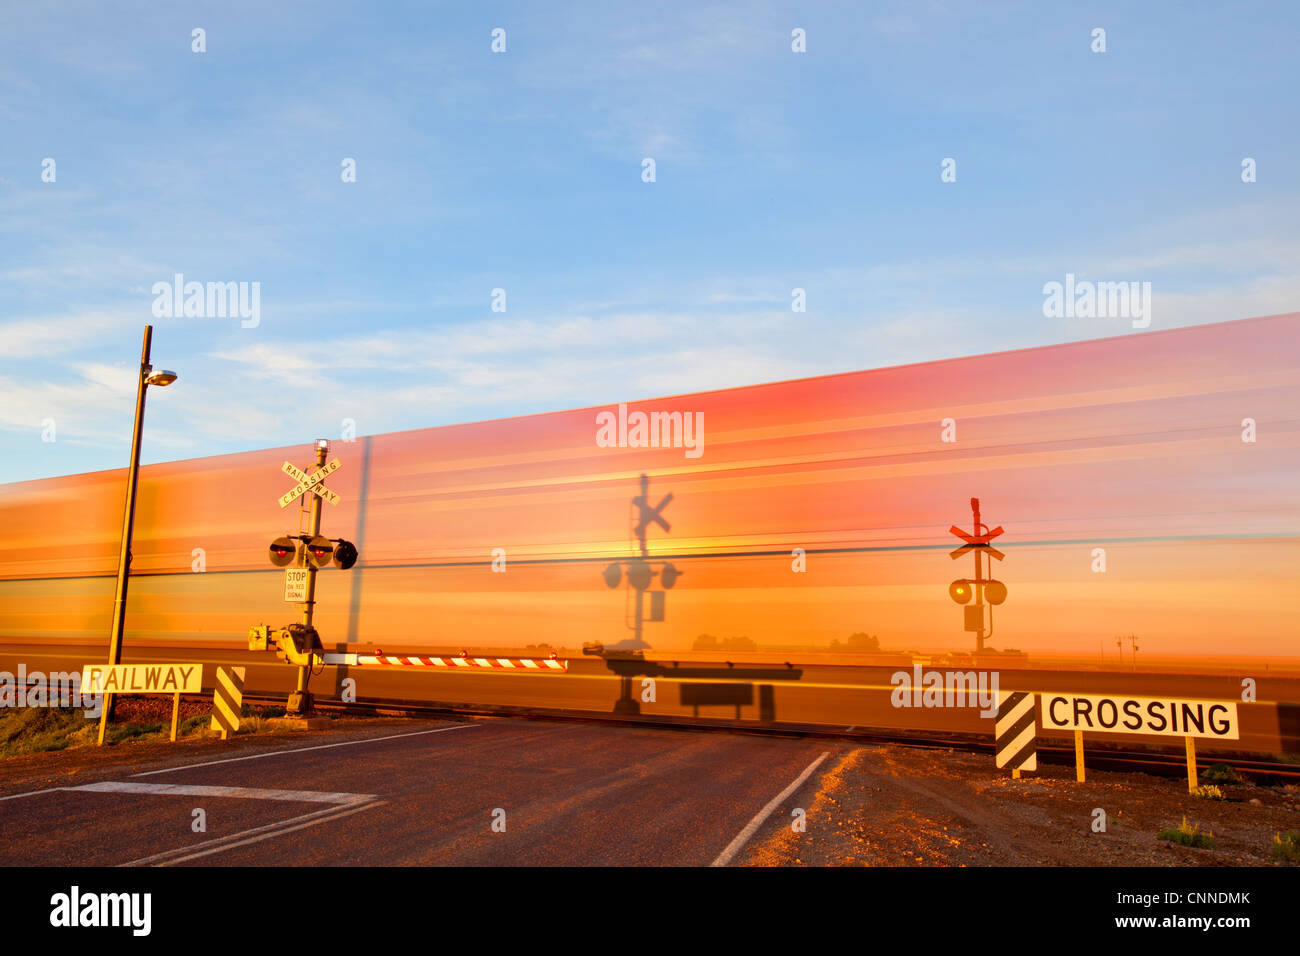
(524, 171)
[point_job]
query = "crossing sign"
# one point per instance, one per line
(974, 541)
(313, 483)
(651, 513)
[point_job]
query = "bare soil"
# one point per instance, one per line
(898, 806)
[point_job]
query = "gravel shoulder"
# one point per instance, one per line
(898, 806)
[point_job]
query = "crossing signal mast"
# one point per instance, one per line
(641, 571)
(301, 555)
(980, 588)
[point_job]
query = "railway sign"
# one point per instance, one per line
(974, 541)
(312, 483)
(651, 513)
(1159, 716)
(173, 679)
(295, 585)
(142, 678)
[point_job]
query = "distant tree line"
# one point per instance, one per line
(860, 642)
(707, 642)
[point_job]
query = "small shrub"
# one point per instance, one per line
(1221, 773)
(1189, 834)
(1287, 847)
(196, 726)
(120, 732)
(1208, 792)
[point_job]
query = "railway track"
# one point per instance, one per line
(1099, 756)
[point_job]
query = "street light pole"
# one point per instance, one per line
(128, 517)
(146, 378)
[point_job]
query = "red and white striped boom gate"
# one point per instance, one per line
(543, 665)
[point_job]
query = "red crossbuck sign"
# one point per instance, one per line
(974, 541)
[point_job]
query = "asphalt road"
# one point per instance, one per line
(428, 793)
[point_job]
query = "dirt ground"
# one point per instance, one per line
(896, 806)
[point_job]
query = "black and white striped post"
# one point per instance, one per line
(1014, 732)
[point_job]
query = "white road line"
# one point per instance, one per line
(31, 793)
(243, 793)
(301, 750)
(255, 835)
(736, 845)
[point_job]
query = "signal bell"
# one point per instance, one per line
(319, 551)
(282, 552)
(345, 555)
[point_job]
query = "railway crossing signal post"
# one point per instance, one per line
(640, 570)
(301, 555)
(640, 576)
(982, 589)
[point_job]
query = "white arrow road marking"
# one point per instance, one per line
(255, 835)
(243, 793)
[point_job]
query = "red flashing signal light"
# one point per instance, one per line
(282, 552)
(319, 551)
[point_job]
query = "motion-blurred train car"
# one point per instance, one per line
(1147, 485)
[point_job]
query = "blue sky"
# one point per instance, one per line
(522, 171)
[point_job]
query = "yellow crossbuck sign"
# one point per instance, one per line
(313, 483)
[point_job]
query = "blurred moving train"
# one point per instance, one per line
(1147, 485)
